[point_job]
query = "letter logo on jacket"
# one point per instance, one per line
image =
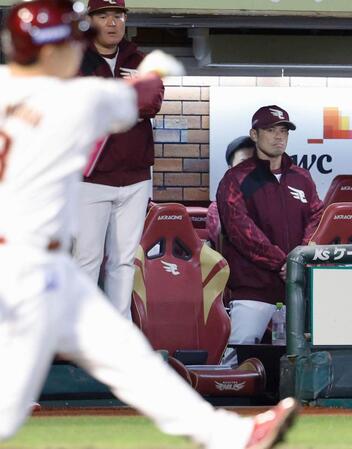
(298, 194)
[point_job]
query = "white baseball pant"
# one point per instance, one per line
(249, 320)
(48, 305)
(111, 218)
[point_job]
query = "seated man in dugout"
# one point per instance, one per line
(237, 151)
(267, 207)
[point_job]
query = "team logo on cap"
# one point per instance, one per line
(51, 34)
(111, 2)
(277, 113)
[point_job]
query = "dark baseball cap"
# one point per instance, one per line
(238, 144)
(97, 5)
(272, 115)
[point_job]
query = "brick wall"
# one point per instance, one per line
(181, 131)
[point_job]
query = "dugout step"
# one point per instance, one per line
(68, 386)
(270, 356)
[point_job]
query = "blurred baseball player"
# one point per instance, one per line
(46, 304)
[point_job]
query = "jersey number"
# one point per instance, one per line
(5, 142)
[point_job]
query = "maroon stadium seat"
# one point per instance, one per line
(198, 217)
(335, 226)
(177, 303)
(340, 190)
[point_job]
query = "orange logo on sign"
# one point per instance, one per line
(336, 126)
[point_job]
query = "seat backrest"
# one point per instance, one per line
(179, 282)
(340, 190)
(198, 217)
(335, 226)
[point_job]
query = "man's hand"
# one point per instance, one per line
(157, 62)
(283, 272)
(128, 73)
(162, 64)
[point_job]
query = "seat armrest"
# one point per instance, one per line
(191, 357)
(180, 368)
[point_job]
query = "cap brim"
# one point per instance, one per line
(287, 123)
(107, 7)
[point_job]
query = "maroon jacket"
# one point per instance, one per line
(127, 157)
(262, 221)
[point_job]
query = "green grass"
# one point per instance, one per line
(106, 432)
(321, 432)
(98, 432)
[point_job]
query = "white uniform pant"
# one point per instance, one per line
(249, 320)
(46, 306)
(111, 219)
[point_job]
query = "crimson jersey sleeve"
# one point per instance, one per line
(150, 98)
(213, 222)
(315, 212)
(241, 230)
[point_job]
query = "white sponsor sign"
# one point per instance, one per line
(322, 141)
(331, 306)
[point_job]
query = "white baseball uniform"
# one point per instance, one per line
(47, 304)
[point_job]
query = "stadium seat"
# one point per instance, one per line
(177, 303)
(340, 190)
(198, 217)
(335, 226)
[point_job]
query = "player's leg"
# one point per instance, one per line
(29, 307)
(122, 240)
(94, 213)
(113, 350)
(249, 320)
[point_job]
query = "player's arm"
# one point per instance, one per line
(213, 222)
(148, 83)
(147, 107)
(316, 207)
(241, 230)
(115, 104)
(150, 94)
(112, 105)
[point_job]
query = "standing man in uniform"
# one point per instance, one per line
(267, 207)
(47, 304)
(115, 192)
